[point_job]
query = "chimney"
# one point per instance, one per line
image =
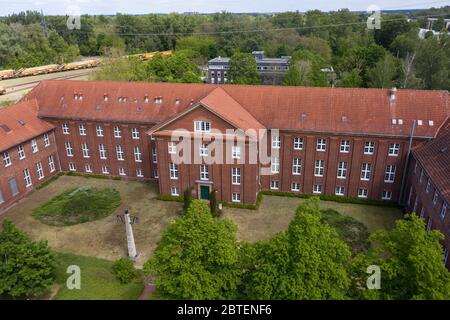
(392, 94)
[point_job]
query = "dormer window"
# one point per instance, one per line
(158, 99)
(431, 123)
(146, 99)
(177, 102)
(419, 122)
(119, 99)
(105, 97)
(400, 121)
(202, 126)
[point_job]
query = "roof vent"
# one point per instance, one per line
(146, 98)
(444, 149)
(138, 108)
(21, 122)
(177, 102)
(191, 102)
(5, 127)
(393, 94)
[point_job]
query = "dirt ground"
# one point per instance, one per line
(275, 214)
(102, 238)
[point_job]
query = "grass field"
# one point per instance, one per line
(97, 280)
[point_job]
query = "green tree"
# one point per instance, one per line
(242, 69)
(383, 74)
(213, 203)
(433, 64)
(410, 260)
(124, 270)
(391, 26)
(197, 257)
(350, 79)
(306, 70)
(308, 261)
(187, 199)
(26, 267)
(176, 68)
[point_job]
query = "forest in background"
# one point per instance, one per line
(391, 56)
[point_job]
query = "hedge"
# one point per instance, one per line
(92, 175)
(166, 197)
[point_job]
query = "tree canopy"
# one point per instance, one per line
(242, 69)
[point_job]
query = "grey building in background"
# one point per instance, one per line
(271, 70)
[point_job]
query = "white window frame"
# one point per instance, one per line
(117, 132)
(82, 129)
(274, 184)
(51, 164)
(154, 155)
(369, 148)
(172, 147)
(39, 171)
(204, 172)
(295, 186)
(340, 191)
(297, 166)
(443, 210)
(435, 198)
(321, 145)
(119, 153)
(6, 159)
(386, 195)
(173, 171)
(363, 193)
(87, 168)
(366, 169)
(319, 168)
(174, 191)
(317, 189)
(427, 187)
(276, 142)
(122, 171)
(65, 129)
(137, 154)
(202, 126)
(34, 146)
(298, 143)
(139, 173)
(102, 151)
(105, 169)
(236, 176)
(69, 148)
(235, 197)
(135, 133)
(345, 146)
(21, 152)
(27, 178)
(46, 140)
(203, 150)
(85, 149)
(342, 170)
(100, 131)
(275, 164)
(394, 149)
(389, 176)
(235, 152)
(72, 167)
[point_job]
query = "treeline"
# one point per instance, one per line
(393, 55)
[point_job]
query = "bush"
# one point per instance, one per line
(124, 270)
(187, 199)
(167, 197)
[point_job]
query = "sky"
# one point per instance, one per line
(51, 7)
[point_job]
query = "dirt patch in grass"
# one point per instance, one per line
(275, 214)
(103, 238)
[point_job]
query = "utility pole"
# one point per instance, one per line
(129, 221)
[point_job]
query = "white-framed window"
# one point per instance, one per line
(236, 176)
(105, 170)
(435, 198)
(6, 159)
(51, 163)
(39, 171)
(369, 147)
(362, 193)
(69, 149)
(275, 164)
(415, 168)
(87, 168)
(46, 140)
(174, 191)
(235, 152)
(422, 172)
(34, 146)
(204, 172)
(345, 146)
(202, 126)
(389, 176)
(82, 129)
(340, 191)
(27, 178)
(342, 170)
(443, 209)
(386, 195)
(99, 131)
(154, 155)
(102, 151)
(137, 154)
(21, 151)
(319, 168)
(135, 134)
(445, 256)
(317, 188)
(429, 224)
(139, 173)
(85, 148)
(321, 144)
(155, 173)
(297, 166)
(172, 147)
(427, 188)
(203, 150)
(173, 170)
(295, 186)
(276, 142)
(122, 171)
(298, 143)
(394, 149)
(1, 197)
(236, 197)
(72, 167)
(274, 184)
(119, 153)
(117, 132)
(65, 128)
(365, 171)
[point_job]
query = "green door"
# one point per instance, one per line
(204, 192)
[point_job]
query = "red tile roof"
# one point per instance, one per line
(19, 123)
(353, 111)
(434, 156)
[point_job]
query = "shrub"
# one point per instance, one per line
(187, 199)
(124, 270)
(166, 197)
(213, 204)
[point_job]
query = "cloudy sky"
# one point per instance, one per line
(165, 6)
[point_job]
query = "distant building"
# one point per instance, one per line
(271, 70)
(430, 21)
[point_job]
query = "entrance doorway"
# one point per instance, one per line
(204, 192)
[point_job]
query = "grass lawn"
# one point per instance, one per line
(103, 238)
(275, 213)
(97, 280)
(78, 205)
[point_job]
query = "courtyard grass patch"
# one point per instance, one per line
(78, 205)
(98, 281)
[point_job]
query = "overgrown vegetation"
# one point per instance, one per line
(124, 270)
(78, 205)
